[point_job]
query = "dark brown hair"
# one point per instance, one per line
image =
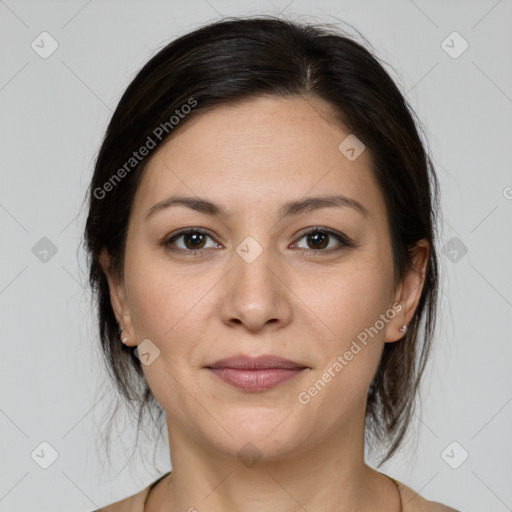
(240, 58)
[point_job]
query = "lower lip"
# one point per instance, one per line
(255, 380)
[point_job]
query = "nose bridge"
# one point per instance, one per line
(255, 294)
(253, 275)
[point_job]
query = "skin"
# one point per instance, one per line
(251, 158)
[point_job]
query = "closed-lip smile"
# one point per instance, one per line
(254, 374)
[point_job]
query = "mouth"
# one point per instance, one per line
(254, 374)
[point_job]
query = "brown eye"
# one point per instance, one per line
(322, 240)
(189, 240)
(193, 240)
(318, 240)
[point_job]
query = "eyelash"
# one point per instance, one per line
(343, 239)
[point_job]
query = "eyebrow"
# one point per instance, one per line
(290, 208)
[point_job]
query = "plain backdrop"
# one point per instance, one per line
(54, 111)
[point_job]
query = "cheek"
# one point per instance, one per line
(350, 348)
(349, 300)
(167, 307)
(349, 332)
(161, 296)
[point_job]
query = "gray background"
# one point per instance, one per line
(54, 112)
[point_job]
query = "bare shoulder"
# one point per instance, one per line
(133, 503)
(413, 502)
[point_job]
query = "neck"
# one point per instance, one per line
(331, 476)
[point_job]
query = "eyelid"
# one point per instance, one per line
(184, 231)
(343, 239)
(337, 234)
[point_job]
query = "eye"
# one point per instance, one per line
(194, 241)
(320, 240)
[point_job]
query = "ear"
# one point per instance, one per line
(408, 292)
(118, 300)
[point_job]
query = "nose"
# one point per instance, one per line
(255, 294)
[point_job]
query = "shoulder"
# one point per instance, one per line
(133, 503)
(413, 502)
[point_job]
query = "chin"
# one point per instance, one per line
(256, 435)
(251, 449)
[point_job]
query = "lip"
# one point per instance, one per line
(255, 373)
(255, 380)
(243, 362)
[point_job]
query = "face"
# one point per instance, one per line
(311, 282)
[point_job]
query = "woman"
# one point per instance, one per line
(261, 240)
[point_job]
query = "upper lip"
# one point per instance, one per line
(255, 363)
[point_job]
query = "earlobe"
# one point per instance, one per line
(396, 329)
(118, 301)
(409, 292)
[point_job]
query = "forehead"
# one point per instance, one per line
(265, 147)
